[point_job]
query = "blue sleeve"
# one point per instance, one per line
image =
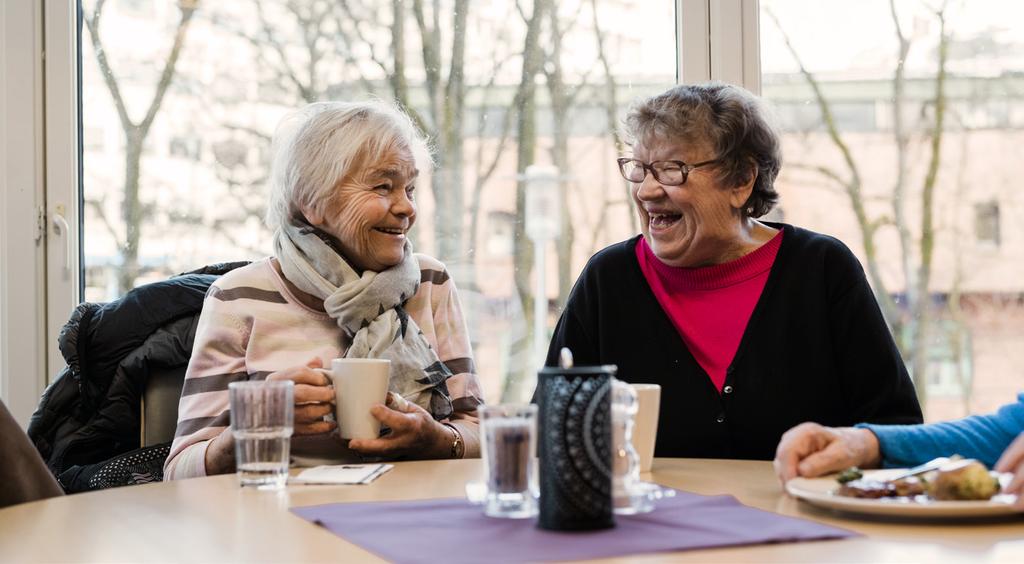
(983, 437)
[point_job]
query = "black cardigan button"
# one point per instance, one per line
(727, 390)
(720, 418)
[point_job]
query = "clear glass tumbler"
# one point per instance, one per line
(262, 416)
(509, 447)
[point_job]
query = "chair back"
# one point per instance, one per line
(160, 405)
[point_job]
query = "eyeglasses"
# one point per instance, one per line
(668, 173)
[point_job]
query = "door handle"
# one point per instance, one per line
(64, 230)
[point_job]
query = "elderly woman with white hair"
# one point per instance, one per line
(343, 282)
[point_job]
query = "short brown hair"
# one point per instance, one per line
(730, 120)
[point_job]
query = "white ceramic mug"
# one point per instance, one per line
(645, 427)
(359, 384)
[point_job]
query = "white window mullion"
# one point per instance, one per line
(693, 46)
(62, 158)
(735, 43)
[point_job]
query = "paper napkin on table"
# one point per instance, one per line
(341, 474)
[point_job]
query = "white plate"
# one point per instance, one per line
(819, 491)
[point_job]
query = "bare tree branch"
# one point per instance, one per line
(233, 190)
(248, 130)
(220, 227)
(611, 108)
(101, 214)
(346, 11)
(928, 189)
(430, 43)
(311, 26)
(561, 108)
(133, 212)
(526, 128)
(93, 24)
(902, 141)
(285, 68)
(610, 84)
(823, 171)
(455, 89)
(954, 305)
(919, 358)
(853, 186)
(399, 85)
(188, 8)
(483, 172)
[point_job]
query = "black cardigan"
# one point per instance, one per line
(816, 349)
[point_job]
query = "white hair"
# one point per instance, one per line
(314, 148)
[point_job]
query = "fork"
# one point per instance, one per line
(933, 464)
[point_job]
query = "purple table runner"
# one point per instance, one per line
(452, 530)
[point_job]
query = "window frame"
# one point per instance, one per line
(63, 187)
(22, 229)
(719, 40)
(715, 40)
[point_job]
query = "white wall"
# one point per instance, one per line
(22, 281)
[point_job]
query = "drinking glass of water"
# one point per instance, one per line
(262, 415)
(508, 448)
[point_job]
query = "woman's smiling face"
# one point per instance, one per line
(695, 223)
(372, 211)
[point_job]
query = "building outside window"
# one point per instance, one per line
(986, 223)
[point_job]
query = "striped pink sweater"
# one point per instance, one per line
(252, 325)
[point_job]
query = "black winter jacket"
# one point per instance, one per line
(90, 413)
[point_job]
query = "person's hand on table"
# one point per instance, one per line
(810, 450)
(414, 433)
(1012, 461)
(314, 398)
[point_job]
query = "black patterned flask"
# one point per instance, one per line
(575, 448)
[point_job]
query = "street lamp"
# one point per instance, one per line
(543, 225)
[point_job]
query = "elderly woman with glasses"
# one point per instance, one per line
(750, 327)
(343, 282)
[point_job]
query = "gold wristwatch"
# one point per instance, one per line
(458, 447)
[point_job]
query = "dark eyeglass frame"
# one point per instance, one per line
(684, 168)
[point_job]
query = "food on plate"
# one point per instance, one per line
(959, 480)
(964, 480)
(876, 489)
(850, 474)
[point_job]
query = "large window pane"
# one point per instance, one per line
(180, 100)
(902, 132)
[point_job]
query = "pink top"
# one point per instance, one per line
(253, 325)
(710, 306)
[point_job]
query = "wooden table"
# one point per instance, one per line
(213, 520)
